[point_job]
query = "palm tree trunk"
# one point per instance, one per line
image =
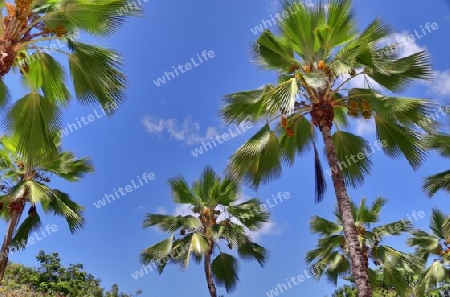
(15, 216)
(208, 270)
(351, 236)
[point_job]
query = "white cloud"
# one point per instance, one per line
(182, 210)
(364, 127)
(404, 46)
(161, 210)
(440, 85)
(188, 131)
(269, 228)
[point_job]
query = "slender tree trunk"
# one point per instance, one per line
(208, 270)
(351, 237)
(15, 216)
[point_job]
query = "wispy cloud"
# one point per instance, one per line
(269, 228)
(364, 127)
(189, 131)
(405, 46)
(440, 85)
(161, 210)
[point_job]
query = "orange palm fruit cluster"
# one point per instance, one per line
(366, 109)
(60, 30)
(289, 132)
(11, 9)
(284, 124)
(320, 65)
(352, 107)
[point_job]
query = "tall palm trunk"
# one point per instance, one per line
(351, 236)
(208, 270)
(14, 219)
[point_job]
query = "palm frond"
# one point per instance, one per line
(257, 161)
(46, 74)
(35, 120)
(324, 227)
(225, 268)
(181, 192)
(273, 52)
(170, 223)
(437, 182)
(299, 142)
(68, 167)
(31, 223)
(245, 105)
(354, 161)
(102, 17)
(252, 251)
(61, 204)
(97, 76)
(250, 213)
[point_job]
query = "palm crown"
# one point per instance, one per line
(331, 258)
(216, 217)
(317, 55)
(26, 183)
(94, 71)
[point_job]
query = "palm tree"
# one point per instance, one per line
(436, 244)
(318, 53)
(441, 180)
(216, 217)
(26, 183)
(331, 256)
(33, 33)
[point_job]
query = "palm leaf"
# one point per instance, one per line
(324, 227)
(47, 74)
(245, 105)
(171, 224)
(157, 251)
(68, 167)
(31, 223)
(253, 251)
(181, 191)
(437, 182)
(61, 205)
(258, 160)
(35, 120)
(102, 17)
(296, 144)
(97, 76)
(250, 214)
(351, 146)
(273, 52)
(320, 183)
(225, 268)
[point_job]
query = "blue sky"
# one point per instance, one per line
(157, 128)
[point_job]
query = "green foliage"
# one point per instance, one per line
(28, 183)
(94, 72)
(54, 280)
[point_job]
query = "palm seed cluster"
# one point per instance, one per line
(22, 25)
